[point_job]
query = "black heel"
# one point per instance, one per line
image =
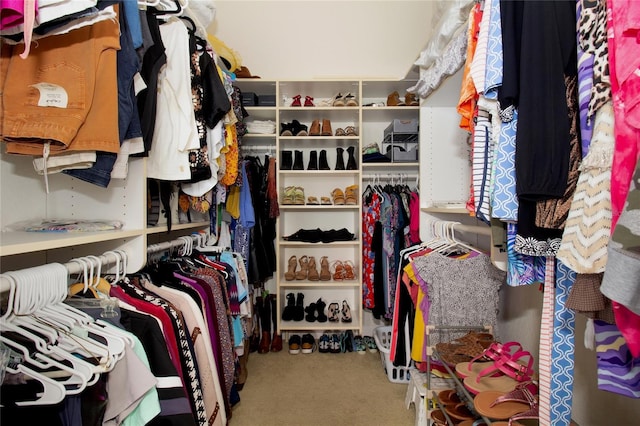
(320, 305)
(346, 312)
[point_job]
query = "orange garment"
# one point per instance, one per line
(64, 92)
(231, 155)
(468, 93)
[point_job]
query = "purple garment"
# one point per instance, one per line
(618, 370)
(585, 83)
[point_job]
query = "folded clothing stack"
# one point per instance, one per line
(371, 154)
(264, 127)
(317, 235)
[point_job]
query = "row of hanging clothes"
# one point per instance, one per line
(390, 222)
(443, 282)
(160, 346)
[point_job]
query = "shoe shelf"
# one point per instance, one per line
(462, 392)
(339, 105)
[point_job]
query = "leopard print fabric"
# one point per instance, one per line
(592, 36)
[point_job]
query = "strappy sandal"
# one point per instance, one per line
(298, 195)
(338, 271)
(351, 195)
(312, 200)
(340, 132)
(350, 131)
(338, 197)
(288, 195)
(502, 406)
(348, 270)
(325, 201)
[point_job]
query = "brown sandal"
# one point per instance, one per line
(338, 197)
(351, 195)
(348, 270)
(325, 274)
(338, 271)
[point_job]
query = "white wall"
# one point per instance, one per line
(303, 39)
(381, 39)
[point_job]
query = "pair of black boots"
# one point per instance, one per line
(293, 160)
(294, 311)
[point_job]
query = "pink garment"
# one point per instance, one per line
(624, 61)
(623, 57)
(11, 13)
(16, 12)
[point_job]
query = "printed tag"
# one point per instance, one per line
(52, 95)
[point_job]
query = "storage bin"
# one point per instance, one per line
(267, 100)
(402, 126)
(400, 374)
(249, 99)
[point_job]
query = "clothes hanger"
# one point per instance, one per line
(52, 392)
(74, 381)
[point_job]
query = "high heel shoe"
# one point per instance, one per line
(348, 270)
(290, 275)
(325, 274)
(334, 312)
(296, 101)
(321, 316)
(346, 312)
(303, 273)
(338, 271)
(313, 270)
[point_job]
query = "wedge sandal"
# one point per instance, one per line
(288, 197)
(351, 195)
(338, 197)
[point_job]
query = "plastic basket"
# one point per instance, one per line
(400, 374)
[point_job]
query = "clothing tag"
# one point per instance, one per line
(52, 95)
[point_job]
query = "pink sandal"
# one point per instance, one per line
(512, 368)
(493, 353)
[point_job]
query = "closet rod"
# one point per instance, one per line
(74, 268)
(170, 245)
(392, 176)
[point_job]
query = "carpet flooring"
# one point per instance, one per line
(320, 389)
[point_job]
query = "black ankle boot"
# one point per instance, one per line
(313, 161)
(286, 160)
(298, 312)
(323, 164)
(351, 161)
(297, 161)
(339, 159)
(311, 313)
(321, 316)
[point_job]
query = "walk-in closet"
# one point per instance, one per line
(218, 212)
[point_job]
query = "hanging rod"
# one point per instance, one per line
(392, 176)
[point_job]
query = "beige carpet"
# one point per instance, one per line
(320, 389)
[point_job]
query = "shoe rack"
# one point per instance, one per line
(321, 127)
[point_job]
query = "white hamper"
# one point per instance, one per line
(400, 374)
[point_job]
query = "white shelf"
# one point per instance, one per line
(28, 242)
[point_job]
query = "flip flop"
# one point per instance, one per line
(449, 397)
(496, 405)
(370, 343)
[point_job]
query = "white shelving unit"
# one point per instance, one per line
(370, 123)
(23, 198)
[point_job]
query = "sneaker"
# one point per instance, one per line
(370, 343)
(308, 343)
(294, 344)
(323, 345)
(334, 344)
(360, 346)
